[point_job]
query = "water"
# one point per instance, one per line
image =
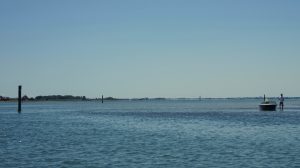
(165, 133)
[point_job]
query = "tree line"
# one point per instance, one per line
(46, 98)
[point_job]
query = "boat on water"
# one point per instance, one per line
(267, 105)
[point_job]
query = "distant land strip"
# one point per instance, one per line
(84, 98)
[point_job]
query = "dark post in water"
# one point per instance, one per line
(20, 99)
(102, 99)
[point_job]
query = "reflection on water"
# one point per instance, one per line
(168, 133)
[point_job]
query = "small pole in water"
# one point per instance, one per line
(20, 99)
(102, 99)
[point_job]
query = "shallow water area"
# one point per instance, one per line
(150, 133)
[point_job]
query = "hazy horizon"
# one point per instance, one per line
(170, 48)
(145, 97)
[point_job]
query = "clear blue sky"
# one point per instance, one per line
(150, 48)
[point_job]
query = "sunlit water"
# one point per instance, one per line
(167, 133)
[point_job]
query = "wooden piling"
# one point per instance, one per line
(20, 99)
(102, 99)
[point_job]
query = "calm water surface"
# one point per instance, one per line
(169, 133)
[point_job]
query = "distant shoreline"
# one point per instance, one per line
(83, 98)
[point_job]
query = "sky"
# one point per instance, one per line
(150, 48)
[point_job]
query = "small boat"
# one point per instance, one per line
(267, 105)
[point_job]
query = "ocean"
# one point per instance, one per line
(149, 133)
